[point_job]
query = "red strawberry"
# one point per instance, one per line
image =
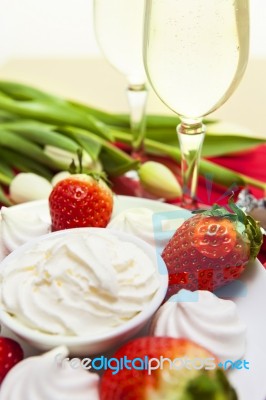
(188, 372)
(80, 201)
(10, 354)
(211, 249)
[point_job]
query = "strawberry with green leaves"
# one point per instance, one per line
(177, 381)
(80, 201)
(211, 249)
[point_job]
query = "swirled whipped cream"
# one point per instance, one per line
(78, 284)
(204, 318)
(18, 227)
(43, 378)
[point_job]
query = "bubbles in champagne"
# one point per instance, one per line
(198, 54)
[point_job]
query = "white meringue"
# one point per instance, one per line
(43, 378)
(204, 318)
(18, 227)
(136, 221)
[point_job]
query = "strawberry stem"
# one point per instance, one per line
(72, 169)
(206, 388)
(80, 155)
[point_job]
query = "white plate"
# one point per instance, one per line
(250, 300)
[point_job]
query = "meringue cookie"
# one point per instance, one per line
(204, 318)
(137, 221)
(18, 227)
(43, 378)
(143, 223)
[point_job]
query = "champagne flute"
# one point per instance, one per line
(119, 32)
(196, 52)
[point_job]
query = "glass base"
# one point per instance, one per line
(191, 206)
(137, 99)
(191, 137)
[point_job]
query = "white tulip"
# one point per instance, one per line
(59, 177)
(159, 180)
(27, 186)
(65, 158)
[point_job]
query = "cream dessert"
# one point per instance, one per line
(44, 378)
(82, 284)
(204, 318)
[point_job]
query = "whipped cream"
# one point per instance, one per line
(18, 227)
(83, 284)
(205, 319)
(42, 378)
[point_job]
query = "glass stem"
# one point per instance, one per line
(191, 137)
(137, 99)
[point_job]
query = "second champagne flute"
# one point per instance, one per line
(119, 32)
(196, 52)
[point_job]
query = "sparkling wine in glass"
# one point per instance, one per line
(196, 52)
(119, 32)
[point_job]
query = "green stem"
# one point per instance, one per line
(4, 199)
(153, 121)
(115, 161)
(221, 175)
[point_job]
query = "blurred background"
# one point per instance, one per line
(51, 43)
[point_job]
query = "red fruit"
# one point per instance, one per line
(183, 375)
(10, 354)
(80, 201)
(211, 249)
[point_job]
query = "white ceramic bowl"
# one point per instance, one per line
(84, 345)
